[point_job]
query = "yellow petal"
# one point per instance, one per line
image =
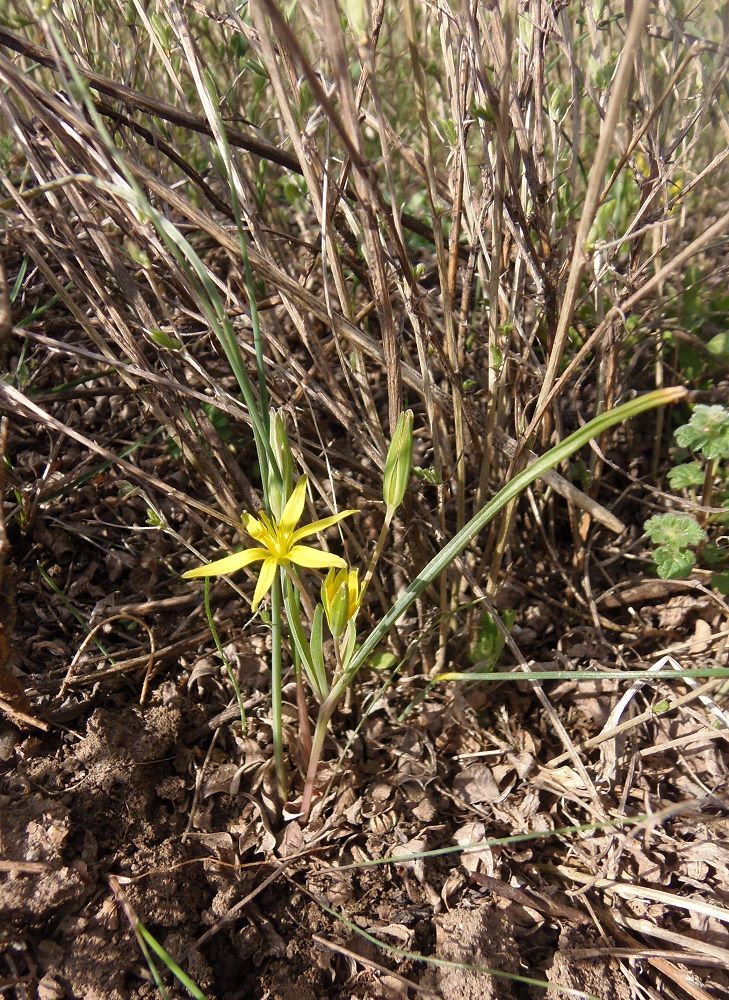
(353, 591)
(294, 507)
(316, 526)
(305, 555)
(222, 567)
(265, 579)
(330, 586)
(267, 523)
(255, 528)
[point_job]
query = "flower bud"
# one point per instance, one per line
(398, 463)
(340, 596)
(280, 479)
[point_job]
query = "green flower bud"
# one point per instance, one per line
(398, 463)
(280, 479)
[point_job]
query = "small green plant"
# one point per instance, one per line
(675, 537)
(280, 552)
(680, 538)
(323, 637)
(149, 946)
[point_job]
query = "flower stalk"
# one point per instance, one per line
(277, 690)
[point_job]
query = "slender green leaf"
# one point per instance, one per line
(488, 844)
(317, 647)
(350, 638)
(171, 964)
(311, 663)
(580, 675)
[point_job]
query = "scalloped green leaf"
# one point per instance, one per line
(683, 477)
(707, 431)
(678, 531)
(673, 563)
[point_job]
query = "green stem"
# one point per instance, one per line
(276, 688)
(303, 709)
(326, 711)
(322, 724)
(707, 493)
(378, 550)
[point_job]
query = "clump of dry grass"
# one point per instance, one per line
(467, 307)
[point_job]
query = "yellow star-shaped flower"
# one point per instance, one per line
(279, 545)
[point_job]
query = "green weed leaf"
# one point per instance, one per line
(219, 420)
(673, 563)
(677, 531)
(719, 346)
(153, 519)
(683, 477)
(163, 339)
(707, 431)
(382, 661)
(430, 476)
(721, 582)
(560, 101)
(489, 642)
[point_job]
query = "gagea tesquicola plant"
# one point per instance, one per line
(322, 634)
